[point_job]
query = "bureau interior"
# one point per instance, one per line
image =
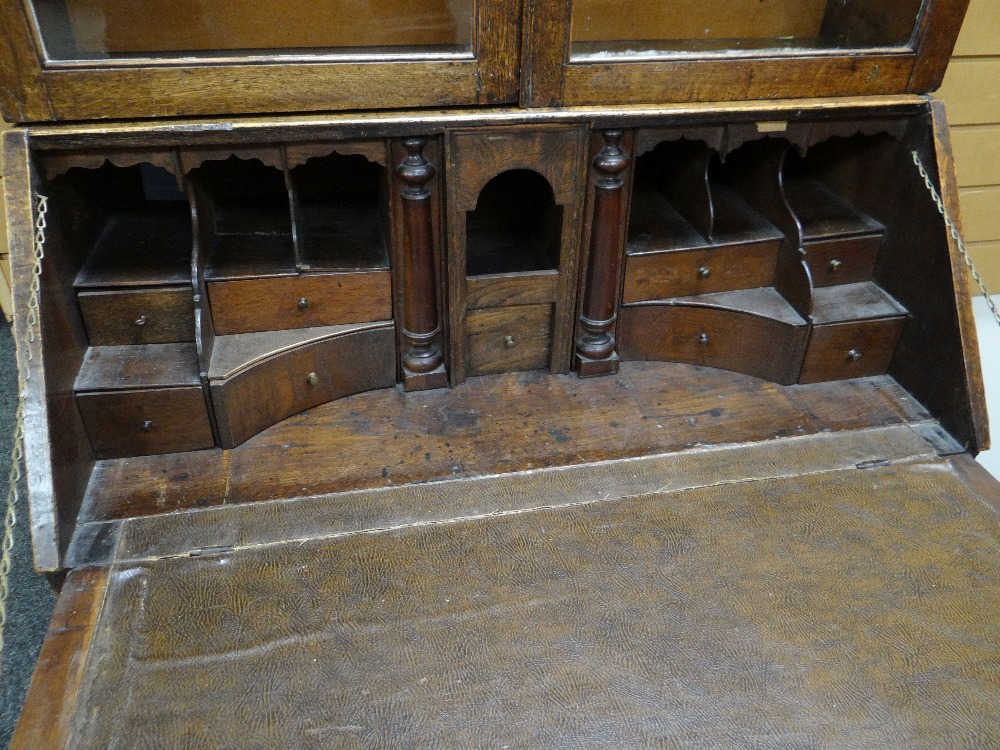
(216, 307)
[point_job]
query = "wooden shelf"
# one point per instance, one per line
(656, 226)
(341, 236)
(824, 214)
(150, 247)
(246, 256)
(107, 368)
(862, 301)
(737, 223)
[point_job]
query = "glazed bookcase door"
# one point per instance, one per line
(590, 52)
(89, 59)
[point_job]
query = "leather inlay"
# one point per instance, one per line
(850, 608)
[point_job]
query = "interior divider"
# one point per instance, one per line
(756, 172)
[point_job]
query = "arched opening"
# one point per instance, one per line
(515, 227)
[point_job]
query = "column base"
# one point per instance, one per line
(425, 381)
(593, 368)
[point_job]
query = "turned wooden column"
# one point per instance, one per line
(595, 345)
(423, 361)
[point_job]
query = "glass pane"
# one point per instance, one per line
(652, 27)
(122, 29)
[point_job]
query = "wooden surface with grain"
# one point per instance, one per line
(388, 438)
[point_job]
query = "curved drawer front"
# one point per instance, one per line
(714, 337)
(297, 379)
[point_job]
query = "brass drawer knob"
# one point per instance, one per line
(303, 303)
(835, 265)
(703, 339)
(509, 342)
(147, 425)
(854, 355)
(312, 379)
(704, 272)
(141, 321)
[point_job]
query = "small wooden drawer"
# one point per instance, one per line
(273, 388)
(682, 273)
(735, 340)
(306, 301)
(144, 422)
(121, 317)
(508, 339)
(854, 349)
(844, 260)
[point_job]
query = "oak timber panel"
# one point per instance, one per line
(388, 438)
(495, 290)
(474, 159)
(6, 301)
(46, 719)
(57, 452)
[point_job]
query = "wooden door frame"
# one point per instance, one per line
(33, 89)
(550, 78)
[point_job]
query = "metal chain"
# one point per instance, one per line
(953, 230)
(17, 451)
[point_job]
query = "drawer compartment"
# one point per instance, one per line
(137, 316)
(730, 339)
(273, 388)
(856, 349)
(508, 339)
(310, 300)
(846, 260)
(144, 422)
(682, 273)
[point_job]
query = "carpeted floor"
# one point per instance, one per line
(30, 605)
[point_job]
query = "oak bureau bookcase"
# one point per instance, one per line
(429, 320)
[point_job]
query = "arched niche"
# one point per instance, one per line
(515, 226)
